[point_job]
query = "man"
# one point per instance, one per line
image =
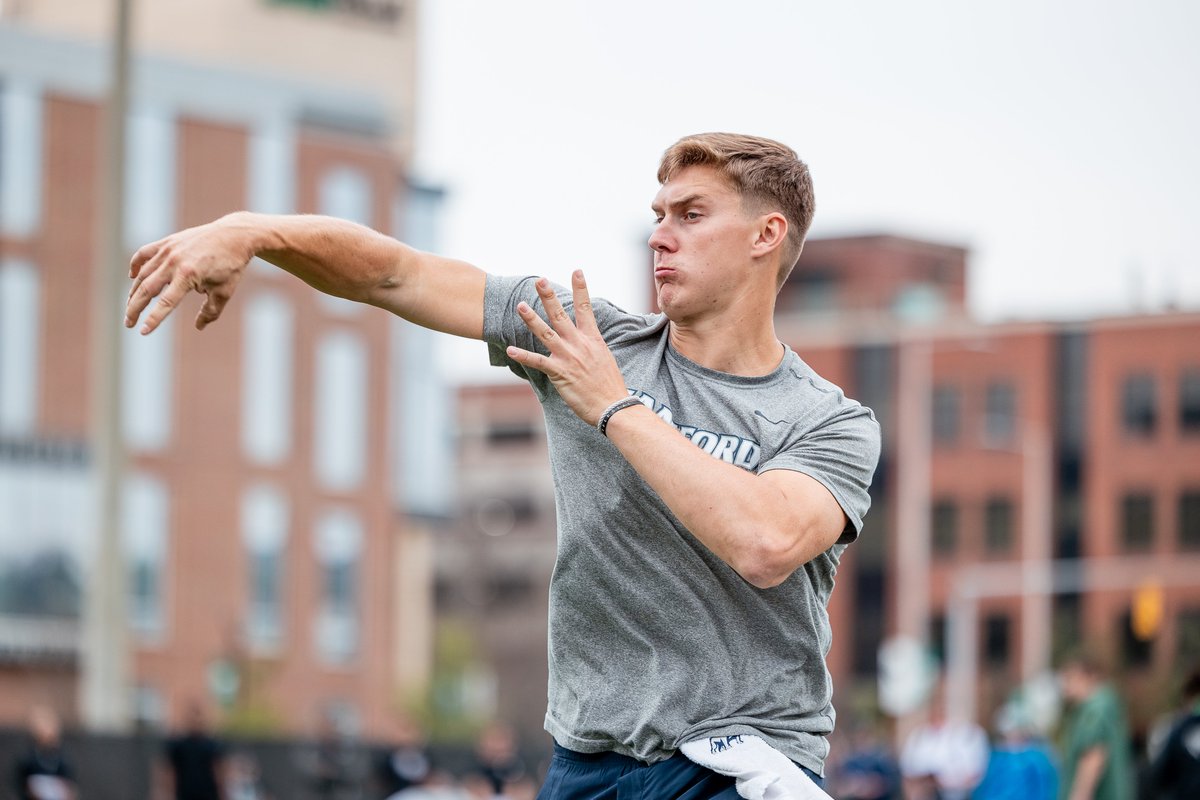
(1097, 762)
(945, 756)
(43, 772)
(1175, 768)
(688, 603)
(195, 760)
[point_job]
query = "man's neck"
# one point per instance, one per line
(735, 347)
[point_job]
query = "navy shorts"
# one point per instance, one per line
(610, 776)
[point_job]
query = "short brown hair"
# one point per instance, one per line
(762, 171)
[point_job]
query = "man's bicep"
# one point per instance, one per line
(442, 294)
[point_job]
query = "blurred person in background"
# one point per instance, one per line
(943, 758)
(707, 480)
(406, 762)
(499, 771)
(870, 771)
(195, 759)
(43, 772)
(1175, 767)
(1097, 762)
(1021, 766)
(333, 763)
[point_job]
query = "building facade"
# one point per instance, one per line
(275, 572)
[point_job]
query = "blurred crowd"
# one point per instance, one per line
(1069, 739)
(1032, 752)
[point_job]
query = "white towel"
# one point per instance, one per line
(761, 772)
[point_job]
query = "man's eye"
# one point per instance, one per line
(691, 215)
(658, 219)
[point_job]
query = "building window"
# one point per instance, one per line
(148, 377)
(946, 413)
(1000, 414)
(340, 409)
(937, 637)
(1189, 520)
(267, 379)
(1189, 400)
(816, 290)
(519, 432)
(20, 160)
(150, 196)
(1187, 644)
(20, 333)
(1137, 522)
(997, 640)
(1135, 651)
(149, 710)
(339, 538)
(272, 167)
(264, 532)
(944, 519)
(509, 590)
(344, 192)
(149, 177)
(145, 535)
(1138, 406)
(998, 525)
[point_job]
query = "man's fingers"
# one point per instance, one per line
(152, 277)
(214, 304)
(585, 320)
(538, 326)
(144, 254)
(170, 297)
(526, 358)
(558, 316)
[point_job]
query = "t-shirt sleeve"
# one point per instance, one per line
(1093, 726)
(503, 326)
(840, 450)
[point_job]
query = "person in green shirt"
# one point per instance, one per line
(1097, 757)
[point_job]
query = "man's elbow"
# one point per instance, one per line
(777, 552)
(768, 563)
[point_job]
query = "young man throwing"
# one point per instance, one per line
(706, 479)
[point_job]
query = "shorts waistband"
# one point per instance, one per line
(605, 757)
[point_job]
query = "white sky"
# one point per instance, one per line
(1059, 141)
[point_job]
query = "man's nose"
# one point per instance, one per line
(661, 240)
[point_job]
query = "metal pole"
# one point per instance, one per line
(1037, 607)
(914, 437)
(104, 684)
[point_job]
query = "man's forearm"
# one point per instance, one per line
(1087, 774)
(763, 526)
(332, 255)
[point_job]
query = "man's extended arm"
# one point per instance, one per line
(764, 526)
(335, 256)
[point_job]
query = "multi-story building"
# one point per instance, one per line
(278, 570)
(1039, 484)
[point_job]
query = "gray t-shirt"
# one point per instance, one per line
(653, 639)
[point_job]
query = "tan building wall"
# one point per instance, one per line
(371, 52)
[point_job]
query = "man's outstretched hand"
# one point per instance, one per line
(580, 365)
(208, 259)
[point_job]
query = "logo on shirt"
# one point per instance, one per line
(719, 744)
(730, 448)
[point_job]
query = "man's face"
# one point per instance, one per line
(702, 244)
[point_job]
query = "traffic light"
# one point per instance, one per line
(1147, 613)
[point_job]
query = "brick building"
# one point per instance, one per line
(1036, 477)
(278, 564)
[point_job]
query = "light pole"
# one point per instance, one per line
(104, 684)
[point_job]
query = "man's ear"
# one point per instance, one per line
(772, 233)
